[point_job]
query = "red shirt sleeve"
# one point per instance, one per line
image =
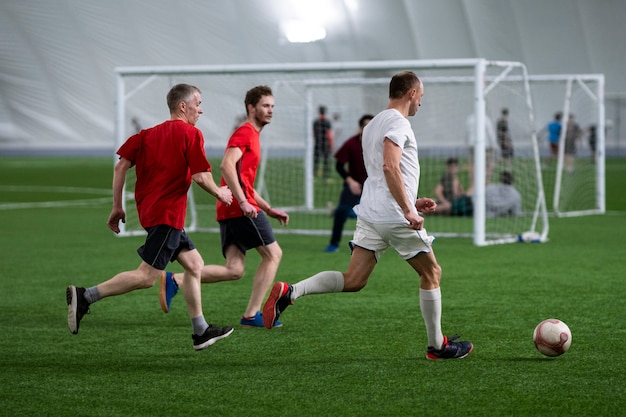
(196, 156)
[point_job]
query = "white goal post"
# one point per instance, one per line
(456, 90)
(575, 178)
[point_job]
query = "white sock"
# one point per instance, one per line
(430, 304)
(322, 283)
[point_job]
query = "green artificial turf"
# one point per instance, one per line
(359, 354)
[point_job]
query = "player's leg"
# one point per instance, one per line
(339, 220)
(317, 153)
(204, 334)
(361, 265)
(232, 270)
(347, 200)
(143, 277)
(158, 249)
(79, 299)
(326, 155)
(192, 263)
(271, 256)
(425, 264)
(439, 346)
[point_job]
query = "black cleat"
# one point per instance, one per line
(77, 307)
(211, 335)
(450, 349)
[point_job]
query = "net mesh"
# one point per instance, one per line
(286, 177)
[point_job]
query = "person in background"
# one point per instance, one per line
(245, 225)
(593, 140)
(351, 168)
(388, 215)
(166, 157)
(449, 188)
(554, 135)
(504, 138)
(323, 137)
(573, 135)
(503, 199)
(337, 129)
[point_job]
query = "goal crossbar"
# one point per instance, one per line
(483, 86)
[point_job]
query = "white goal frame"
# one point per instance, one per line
(482, 87)
(597, 96)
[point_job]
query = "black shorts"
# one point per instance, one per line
(246, 233)
(163, 245)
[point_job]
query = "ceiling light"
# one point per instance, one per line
(297, 31)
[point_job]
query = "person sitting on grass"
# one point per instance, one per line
(503, 199)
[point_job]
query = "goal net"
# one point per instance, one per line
(574, 175)
(462, 103)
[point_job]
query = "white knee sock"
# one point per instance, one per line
(322, 283)
(430, 304)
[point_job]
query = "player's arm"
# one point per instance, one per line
(229, 171)
(206, 181)
(425, 205)
(119, 178)
(356, 187)
(458, 188)
(280, 215)
(392, 154)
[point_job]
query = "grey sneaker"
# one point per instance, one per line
(450, 349)
(77, 307)
(211, 335)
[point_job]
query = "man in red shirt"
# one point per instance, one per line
(243, 226)
(166, 157)
(350, 154)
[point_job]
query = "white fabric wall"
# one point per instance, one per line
(57, 87)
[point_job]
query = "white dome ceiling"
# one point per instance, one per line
(57, 85)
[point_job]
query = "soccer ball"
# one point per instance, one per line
(552, 337)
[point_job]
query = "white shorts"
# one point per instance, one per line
(379, 236)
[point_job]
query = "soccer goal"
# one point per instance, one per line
(574, 177)
(463, 99)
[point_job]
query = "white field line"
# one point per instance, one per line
(48, 189)
(57, 203)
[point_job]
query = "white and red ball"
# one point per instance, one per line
(552, 337)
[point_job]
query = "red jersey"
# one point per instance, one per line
(165, 156)
(351, 153)
(246, 138)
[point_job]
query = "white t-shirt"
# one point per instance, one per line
(377, 204)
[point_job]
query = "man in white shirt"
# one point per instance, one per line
(388, 215)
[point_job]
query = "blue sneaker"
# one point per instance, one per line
(331, 248)
(167, 290)
(256, 321)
